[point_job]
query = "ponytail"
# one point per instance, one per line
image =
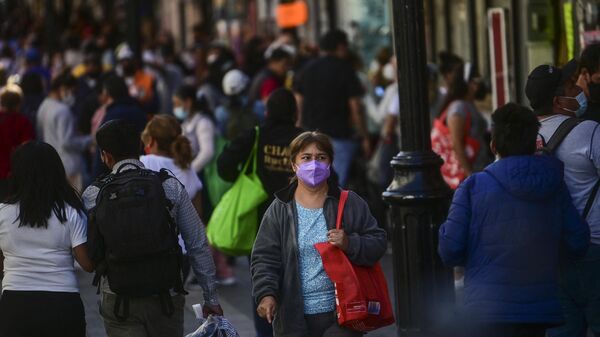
(181, 149)
(167, 133)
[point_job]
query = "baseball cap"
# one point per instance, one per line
(542, 84)
(234, 82)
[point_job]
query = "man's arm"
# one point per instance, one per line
(454, 233)
(234, 156)
(194, 236)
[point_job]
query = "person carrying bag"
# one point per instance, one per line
(234, 223)
(362, 298)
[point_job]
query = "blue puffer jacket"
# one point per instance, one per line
(506, 226)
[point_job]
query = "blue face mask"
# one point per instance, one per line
(180, 113)
(583, 104)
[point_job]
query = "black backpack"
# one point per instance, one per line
(555, 140)
(133, 238)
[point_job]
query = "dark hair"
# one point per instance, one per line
(32, 84)
(116, 87)
(199, 104)
(514, 130)
(65, 79)
(458, 88)
(10, 100)
(120, 139)
(279, 54)
(166, 132)
(307, 138)
(39, 185)
(281, 106)
(332, 39)
(448, 62)
(590, 58)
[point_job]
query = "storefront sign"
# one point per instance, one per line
(498, 57)
(292, 14)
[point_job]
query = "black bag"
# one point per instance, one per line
(133, 238)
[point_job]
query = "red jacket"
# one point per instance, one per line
(15, 129)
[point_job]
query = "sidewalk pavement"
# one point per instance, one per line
(235, 300)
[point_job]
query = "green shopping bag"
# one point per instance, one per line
(234, 223)
(215, 186)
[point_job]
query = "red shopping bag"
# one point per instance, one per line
(441, 143)
(362, 298)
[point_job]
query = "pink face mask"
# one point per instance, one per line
(313, 173)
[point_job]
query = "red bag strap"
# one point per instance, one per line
(340, 213)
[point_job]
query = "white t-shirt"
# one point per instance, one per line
(187, 177)
(40, 259)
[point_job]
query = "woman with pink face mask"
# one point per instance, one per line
(291, 287)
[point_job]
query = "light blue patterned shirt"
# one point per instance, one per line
(317, 289)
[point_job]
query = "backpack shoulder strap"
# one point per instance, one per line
(560, 134)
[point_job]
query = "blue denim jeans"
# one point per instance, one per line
(580, 296)
(344, 151)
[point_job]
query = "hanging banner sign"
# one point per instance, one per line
(292, 14)
(498, 57)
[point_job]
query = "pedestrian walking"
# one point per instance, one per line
(117, 104)
(506, 227)
(43, 229)
(329, 94)
(141, 286)
(57, 126)
(273, 165)
(552, 93)
(167, 148)
(462, 127)
(198, 125)
(289, 283)
(589, 80)
(15, 129)
(269, 79)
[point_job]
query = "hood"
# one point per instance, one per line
(535, 177)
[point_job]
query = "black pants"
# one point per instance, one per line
(41, 314)
(508, 330)
(326, 325)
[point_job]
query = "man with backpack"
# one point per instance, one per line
(134, 218)
(552, 93)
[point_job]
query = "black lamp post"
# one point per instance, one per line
(418, 195)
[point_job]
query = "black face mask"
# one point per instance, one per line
(594, 89)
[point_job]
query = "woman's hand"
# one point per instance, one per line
(338, 238)
(266, 308)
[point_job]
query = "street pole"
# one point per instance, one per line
(418, 195)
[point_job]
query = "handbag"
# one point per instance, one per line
(215, 185)
(362, 297)
(233, 225)
(441, 143)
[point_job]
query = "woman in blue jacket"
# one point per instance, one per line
(506, 226)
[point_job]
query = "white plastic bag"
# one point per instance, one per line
(215, 326)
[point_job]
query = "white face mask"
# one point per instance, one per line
(69, 99)
(180, 113)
